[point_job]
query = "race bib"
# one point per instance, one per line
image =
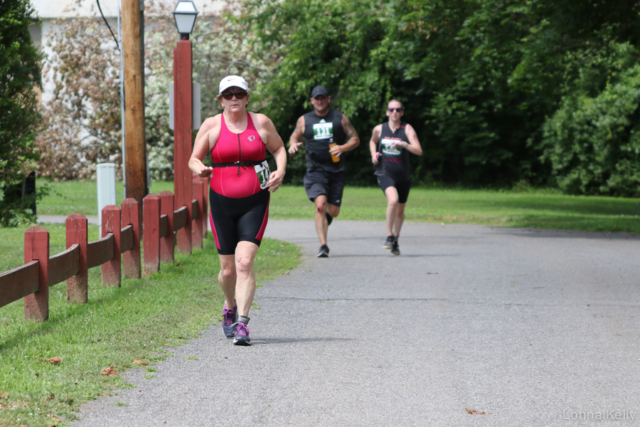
(323, 130)
(262, 170)
(388, 149)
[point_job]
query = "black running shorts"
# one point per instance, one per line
(402, 187)
(330, 184)
(236, 220)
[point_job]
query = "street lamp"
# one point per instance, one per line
(185, 15)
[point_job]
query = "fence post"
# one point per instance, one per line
(205, 207)
(78, 285)
(151, 227)
(111, 223)
(183, 198)
(166, 243)
(36, 247)
(131, 258)
(196, 226)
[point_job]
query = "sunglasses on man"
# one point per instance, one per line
(229, 95)
(395, 110)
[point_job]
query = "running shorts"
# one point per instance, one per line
(402, 187)
(330, 184)
(236, 220)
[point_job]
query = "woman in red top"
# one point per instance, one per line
(240, 190)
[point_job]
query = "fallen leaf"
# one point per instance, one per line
(474, 412)
(4, 395)
(107, 372)
(53, 396)
(23, 425)
(139, 362)
(53, 360)
(55, 420)
(442, 223)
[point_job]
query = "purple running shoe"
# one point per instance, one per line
(242, 332)
(229, 318)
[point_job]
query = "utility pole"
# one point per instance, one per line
(135, 146)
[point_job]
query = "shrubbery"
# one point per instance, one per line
(593, 142)
(83, 116)
(19, 118)
(499, 91)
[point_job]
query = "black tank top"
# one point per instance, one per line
(394, 162)
(319, 132)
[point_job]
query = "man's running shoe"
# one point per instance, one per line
(329, 218)
(323, 252)
(229, 318)
(388, 244)
(395, 249)
(242, 332)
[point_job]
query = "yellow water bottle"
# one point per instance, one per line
(335, 158)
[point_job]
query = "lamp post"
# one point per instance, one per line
(185, 15)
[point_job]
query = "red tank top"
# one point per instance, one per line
(237, 181)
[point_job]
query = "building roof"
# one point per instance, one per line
(50, 9)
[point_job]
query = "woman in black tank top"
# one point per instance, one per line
(390, 146)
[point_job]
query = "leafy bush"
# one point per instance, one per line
(83, 117)
(593, 142)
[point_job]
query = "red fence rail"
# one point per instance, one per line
(117, 252)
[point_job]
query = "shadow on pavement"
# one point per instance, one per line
(263, 341)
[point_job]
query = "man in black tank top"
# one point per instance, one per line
(390, 146)
(328, 134)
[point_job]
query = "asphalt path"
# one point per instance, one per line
(529, 327)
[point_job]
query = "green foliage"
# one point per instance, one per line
(593, 142)
(483, 81)
(479, 78)
(329, 43)
(19, 118)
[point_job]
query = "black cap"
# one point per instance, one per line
(319, 91)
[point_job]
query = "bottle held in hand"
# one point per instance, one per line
(335, 158)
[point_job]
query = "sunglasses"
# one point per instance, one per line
(229, 95)
(395, 110)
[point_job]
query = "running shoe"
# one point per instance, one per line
(329, 218)
(388, 244)
(395, 249)
(323, 252)
(229, 318)
(242, 333)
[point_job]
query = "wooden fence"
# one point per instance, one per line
(118, 251)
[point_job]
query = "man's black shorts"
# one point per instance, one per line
(403, 187)
(319, 182)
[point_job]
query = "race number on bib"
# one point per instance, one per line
(262, 170)
(388, 149)
(323, 130)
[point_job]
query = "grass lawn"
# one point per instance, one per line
(116, 327)
(536, 208)
(138, 320)
(119, 325)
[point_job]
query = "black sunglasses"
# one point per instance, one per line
(393, 110)
(229, 95)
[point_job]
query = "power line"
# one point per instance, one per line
(108, 26)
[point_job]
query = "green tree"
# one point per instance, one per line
(19, 118)
(479, 77)
(330, 43)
